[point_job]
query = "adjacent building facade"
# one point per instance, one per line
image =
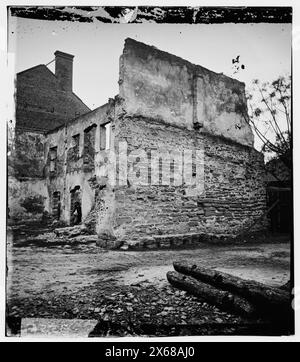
(169, 160)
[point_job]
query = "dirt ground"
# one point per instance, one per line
(129, 287)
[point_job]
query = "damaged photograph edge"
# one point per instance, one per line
(212, 287)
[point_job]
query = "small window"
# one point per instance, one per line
(105, 136)
(76, 140)
(89, 148)
(53, 159)
(194, 169)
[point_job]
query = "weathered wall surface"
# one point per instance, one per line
(27, 155)
(27, 199)
(81, 162)
(26, 183)
(232, 198)
(41, 105)
(158, 85)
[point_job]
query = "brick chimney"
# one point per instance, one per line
(64, 69)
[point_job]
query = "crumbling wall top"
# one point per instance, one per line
(157, 85)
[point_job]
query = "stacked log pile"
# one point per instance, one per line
(233, 294)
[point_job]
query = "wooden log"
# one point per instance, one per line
(266, 299)
(206, 293)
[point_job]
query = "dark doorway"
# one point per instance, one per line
(56, 205)
(281, 215)
(75, 210)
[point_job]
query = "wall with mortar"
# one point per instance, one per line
(158, 85)
(231, 199)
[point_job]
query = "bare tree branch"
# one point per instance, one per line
(270, 118)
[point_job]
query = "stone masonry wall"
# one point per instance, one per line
(168, 104)
(232, 199)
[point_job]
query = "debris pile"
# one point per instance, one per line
(73, 235)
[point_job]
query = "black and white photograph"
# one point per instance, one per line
(149, 173)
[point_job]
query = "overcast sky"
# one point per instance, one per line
(264, 49)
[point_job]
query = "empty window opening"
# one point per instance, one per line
(194, 168)
(89, 148)
(76, 139)
(75, 207)
(73, 152)
(53, 159)
(105, 136)
(56, 205)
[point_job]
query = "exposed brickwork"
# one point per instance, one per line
(42, 104)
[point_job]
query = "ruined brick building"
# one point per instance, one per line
(73, 158)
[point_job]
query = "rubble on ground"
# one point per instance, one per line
(73, 235)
